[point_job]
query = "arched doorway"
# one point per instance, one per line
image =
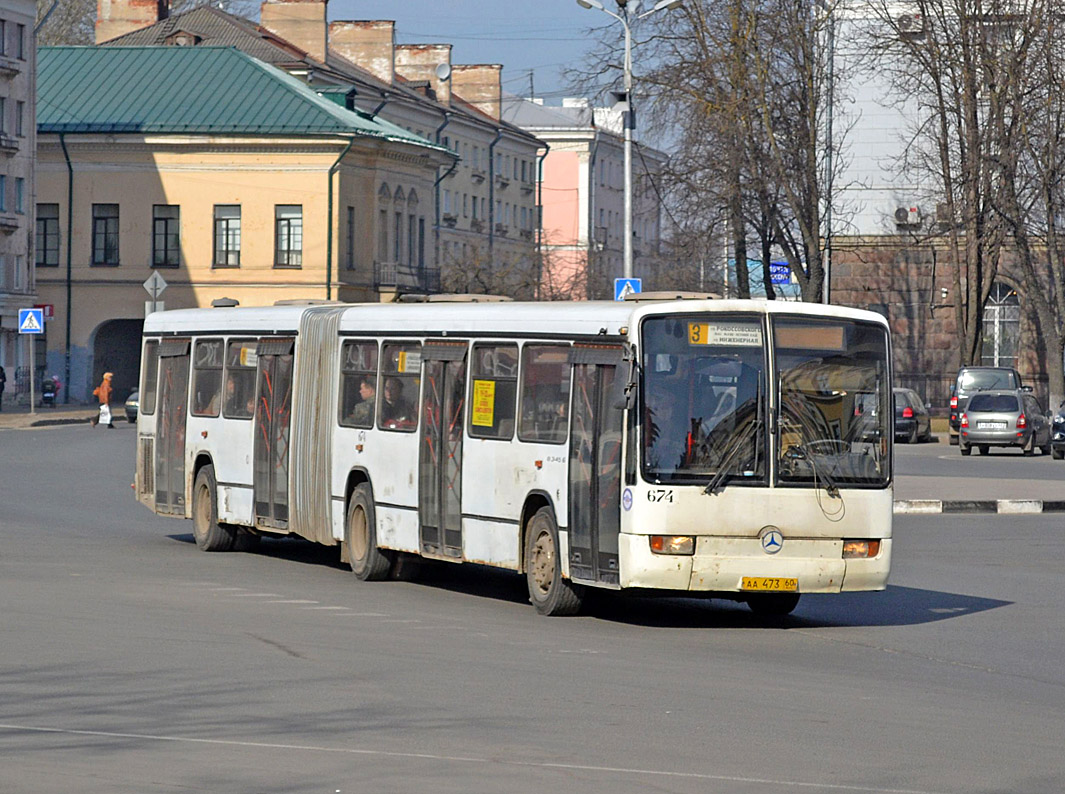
(1002, 327)
(117, 349)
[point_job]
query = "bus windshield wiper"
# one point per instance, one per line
(799, 452)
(723, 472)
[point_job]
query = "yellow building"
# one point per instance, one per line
(221, 174)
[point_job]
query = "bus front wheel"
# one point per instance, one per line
(548, 591)
(773, 604)
(360, 535)
(209, 534)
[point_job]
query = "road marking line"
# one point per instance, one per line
(293, 601)
(327, 607)
(662, 773)
(256, 595)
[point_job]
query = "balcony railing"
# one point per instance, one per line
(8, 144)
(406, 278)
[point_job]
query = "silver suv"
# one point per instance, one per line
(971, 380)
(1003, 418)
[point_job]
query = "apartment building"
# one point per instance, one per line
(482, 209)
(216, 172)
(583, 185)
(17, 146)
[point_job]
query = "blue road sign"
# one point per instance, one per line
(31, 321)
(626, 286)
(779, 273)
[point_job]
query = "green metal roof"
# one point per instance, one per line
(191, 90)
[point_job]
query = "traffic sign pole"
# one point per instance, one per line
(33, 373)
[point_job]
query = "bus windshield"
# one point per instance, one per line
(833, 400)
(703, 406)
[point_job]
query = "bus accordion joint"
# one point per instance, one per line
(673, 544)
(860, 549)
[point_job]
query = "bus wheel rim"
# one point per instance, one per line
(203, 510)
(543, 562)
(359, 534)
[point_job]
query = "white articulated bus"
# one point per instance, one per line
(724, 448)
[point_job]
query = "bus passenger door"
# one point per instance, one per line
(273, 414)
(170, 427)
(595, 463)
(440, 449)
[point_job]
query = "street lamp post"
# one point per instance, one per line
(628, 11)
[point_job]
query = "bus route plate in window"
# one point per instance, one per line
(725, 334)
(769, 584)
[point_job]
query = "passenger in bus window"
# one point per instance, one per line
(362, 412)
(395, 410)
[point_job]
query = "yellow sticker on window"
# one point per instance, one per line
(484, 403)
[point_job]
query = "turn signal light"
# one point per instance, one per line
(1021, 422)
(860, 549)
(907, 413)
(673, 544)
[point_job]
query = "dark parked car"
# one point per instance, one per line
(1004, 418)
(1057, 433)
(133, 405)
(913, 422)
(974, 379)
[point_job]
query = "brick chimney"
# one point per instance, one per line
(370, 45)
(481, 85)
(115, 18)
(302, 22)
(420, 62)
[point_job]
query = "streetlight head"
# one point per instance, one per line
(666, 5)
(590, 4)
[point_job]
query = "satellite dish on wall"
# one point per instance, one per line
(443, 71)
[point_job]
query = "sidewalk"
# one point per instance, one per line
(18, 417)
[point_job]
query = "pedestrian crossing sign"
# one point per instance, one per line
(623, 287)
(31, 321)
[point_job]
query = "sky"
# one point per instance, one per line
(544, 37)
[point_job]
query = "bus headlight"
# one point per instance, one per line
(673, 544)
(860, 549)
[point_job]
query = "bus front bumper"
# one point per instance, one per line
(720, 565)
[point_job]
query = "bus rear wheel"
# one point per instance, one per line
(360, 536)
(210, 535)
(549, 592)
(773, 604)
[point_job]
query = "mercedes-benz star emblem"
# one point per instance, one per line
(772, 540)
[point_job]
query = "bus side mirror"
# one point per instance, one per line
(628, 394)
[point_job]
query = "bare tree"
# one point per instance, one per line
(74, 21)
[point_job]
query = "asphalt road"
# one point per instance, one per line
(131, 662)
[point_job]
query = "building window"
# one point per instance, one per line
(3, 114)
(20, 194)
(412, 241)
(421, 242)
(47, 243)
(21, 43)
(227, 235)
(166, 235)
(382, 235)
(397, 238)
(3, 193)
(20, 119)
(105, 234)
(289, 235)
(3, 37)
(1002, 327)
(350, 261)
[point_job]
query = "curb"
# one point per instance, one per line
(1000, 506)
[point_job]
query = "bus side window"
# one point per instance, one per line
(494, 391)
(397, 399)
(358, 383)
(151, 377)
(545, 386)
(241, 359)
(207, 377)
